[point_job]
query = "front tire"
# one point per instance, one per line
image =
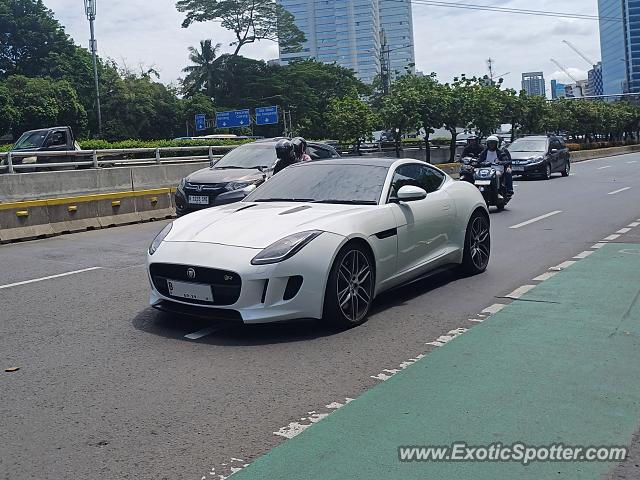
(547, 172)
(567, 169)
(350, 287)
(477, 245)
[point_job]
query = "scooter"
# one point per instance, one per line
(489, 179)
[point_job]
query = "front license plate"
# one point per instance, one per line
(199, 199)
(517, 168)
(483, 182)
(190, 291)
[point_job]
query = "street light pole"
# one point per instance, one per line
(90, 10)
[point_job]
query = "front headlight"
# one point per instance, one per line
(284, 248)
(182, 183)
(536, 160)
(159, 239)
(231, 186)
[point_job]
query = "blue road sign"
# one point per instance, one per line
(266, 115)
(233, 119)
(201, 122)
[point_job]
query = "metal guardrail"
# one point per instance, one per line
(96, 158)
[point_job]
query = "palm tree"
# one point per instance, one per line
(202, 74)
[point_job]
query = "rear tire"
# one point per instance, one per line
(567, 169)
(350, 288)
(477, 245)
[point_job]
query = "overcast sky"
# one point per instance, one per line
(447, 41)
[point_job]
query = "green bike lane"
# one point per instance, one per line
(560, 365)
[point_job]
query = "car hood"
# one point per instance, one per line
(526, 155)
(216, 175)
(258, 225)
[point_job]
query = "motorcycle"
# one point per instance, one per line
(489, 179)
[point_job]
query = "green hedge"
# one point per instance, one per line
(104, 145)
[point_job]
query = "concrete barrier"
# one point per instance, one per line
(43, 218)
(583, 155)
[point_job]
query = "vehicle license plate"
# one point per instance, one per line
(483, 182)
(517, 168)
(190, 291)
(199, 199)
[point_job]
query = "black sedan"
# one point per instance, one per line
(236, 175)
(540, 156)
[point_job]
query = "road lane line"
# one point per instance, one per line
(537, 219)
(602, 168)
(202, 333)
(615, 192)
(634, 224)
(562, 266)
(493, 309)
(598, 245)
(545, 276)
(51, 277)
(584, 254)
(611, 238)
(632, 161)
(520, 291)
(624, 230)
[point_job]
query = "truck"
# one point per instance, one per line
(53, 139)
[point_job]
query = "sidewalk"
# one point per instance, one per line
(560, 365)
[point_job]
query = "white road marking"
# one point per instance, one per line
(476, 320)
(203, 333)
(520, 291)
(599, 245)
(632, 161)
(624, 230)
(545, 276)
(537, 219)
(634, 224)
(602, 168)
(615, 192)
(493, 309)
(584, 254)
(610, 238)
(51, 277)
(562, 266)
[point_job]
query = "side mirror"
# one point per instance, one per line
(409, 193)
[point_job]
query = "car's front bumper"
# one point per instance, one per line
(263, 287)
(529, 168)
(183, 206)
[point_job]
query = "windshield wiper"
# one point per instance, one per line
(302, 200)
(348, 202)
(229, 167)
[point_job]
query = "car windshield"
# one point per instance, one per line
(528, 145)
(252, 155)
(324, 183)
(31, 140)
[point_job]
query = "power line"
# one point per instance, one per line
(518, 11)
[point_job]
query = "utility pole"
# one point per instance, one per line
(90, 9)
(490, 63)
(385, 67)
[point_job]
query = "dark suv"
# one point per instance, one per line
(236, 175)
(540, 156)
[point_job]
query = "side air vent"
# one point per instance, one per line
(296, 210)
(293, 287)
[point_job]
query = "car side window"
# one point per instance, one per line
(427, 178)
(58, 139)
(317, 153)
(554, 144)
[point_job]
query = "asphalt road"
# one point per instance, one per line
(109, 388)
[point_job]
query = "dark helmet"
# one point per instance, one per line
(299, 146)
(285, 149)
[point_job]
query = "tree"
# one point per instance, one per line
(8, 113)
(458, 100)
(198, 104)
(489, 106)
(352, 121)
(202, 74)
(249, 20)
(400, 111)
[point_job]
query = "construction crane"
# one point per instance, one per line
(565, 71)
(582, 55)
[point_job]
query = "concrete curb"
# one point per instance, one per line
(45, 218)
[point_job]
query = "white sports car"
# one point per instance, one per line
(319, 240)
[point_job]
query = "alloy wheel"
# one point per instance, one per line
(480, 243)
(355, 285)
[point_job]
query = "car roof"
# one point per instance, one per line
(534, 137)
(277, 139)
(367, 161)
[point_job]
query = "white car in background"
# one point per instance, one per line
(319, 240)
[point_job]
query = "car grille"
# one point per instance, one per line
(211, 190)
(226, 285)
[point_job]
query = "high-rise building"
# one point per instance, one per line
(594, 81)
(558, 90)
(348, 32)
(620, 45)
(533, 84)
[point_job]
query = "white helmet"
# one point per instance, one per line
(493, 138)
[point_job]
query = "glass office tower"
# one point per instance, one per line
(620, 45)
(348, 32)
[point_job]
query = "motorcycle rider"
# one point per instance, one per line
(497, 157)
(473, 147)
(285, 152)
(300, 149)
